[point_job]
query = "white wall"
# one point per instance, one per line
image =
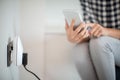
(31, 31)
(46, 53)
(55, 20)
(9, 21)
(48, 57)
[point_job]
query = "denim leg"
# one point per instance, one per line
(83, 62)
(104, 53)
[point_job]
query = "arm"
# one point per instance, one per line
(98, 30)
(113, 33)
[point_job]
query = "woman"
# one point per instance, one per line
(104, 18)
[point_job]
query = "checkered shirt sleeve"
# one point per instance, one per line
(104, 12)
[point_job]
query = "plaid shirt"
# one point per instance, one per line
(103, 12)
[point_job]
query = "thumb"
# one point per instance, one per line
(66, 25)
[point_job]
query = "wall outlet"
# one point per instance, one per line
(9, 53)
(15, 52)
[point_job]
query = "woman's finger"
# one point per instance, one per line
(72, 24)
(95, 27)
(66, 25)
(81, 37)
(97, 32)
(80, 28)
(82, 33)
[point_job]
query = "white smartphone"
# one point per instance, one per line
(73, 14)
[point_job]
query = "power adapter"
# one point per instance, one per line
(25, 59)
(25, 62)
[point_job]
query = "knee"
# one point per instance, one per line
(99, 45)
(81, 53)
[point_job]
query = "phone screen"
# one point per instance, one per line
(73, 14)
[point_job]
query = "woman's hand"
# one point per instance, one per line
(78, 35)
(98, 30)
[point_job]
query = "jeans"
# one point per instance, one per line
(97, 58)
